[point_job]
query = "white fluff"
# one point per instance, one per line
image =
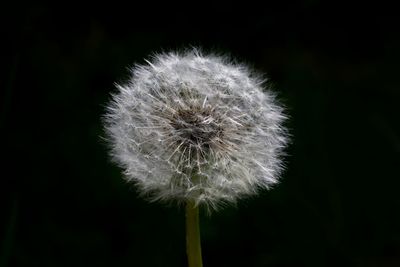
(196, 127)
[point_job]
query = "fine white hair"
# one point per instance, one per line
(190, 126)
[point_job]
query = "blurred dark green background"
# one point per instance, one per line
(337, 71)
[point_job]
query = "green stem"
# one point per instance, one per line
(193, 246)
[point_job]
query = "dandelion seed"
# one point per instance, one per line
(193, 127)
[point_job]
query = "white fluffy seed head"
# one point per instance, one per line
(196, 127)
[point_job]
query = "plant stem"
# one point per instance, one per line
(193, 246)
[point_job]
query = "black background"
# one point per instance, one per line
(335, 69)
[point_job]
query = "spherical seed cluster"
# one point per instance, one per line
(196, 127)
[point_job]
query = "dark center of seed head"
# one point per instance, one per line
(196, 126)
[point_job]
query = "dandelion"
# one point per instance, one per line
(196, 129)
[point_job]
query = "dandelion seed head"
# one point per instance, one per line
(189, 126)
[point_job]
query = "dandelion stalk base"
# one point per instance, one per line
(193, 245)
